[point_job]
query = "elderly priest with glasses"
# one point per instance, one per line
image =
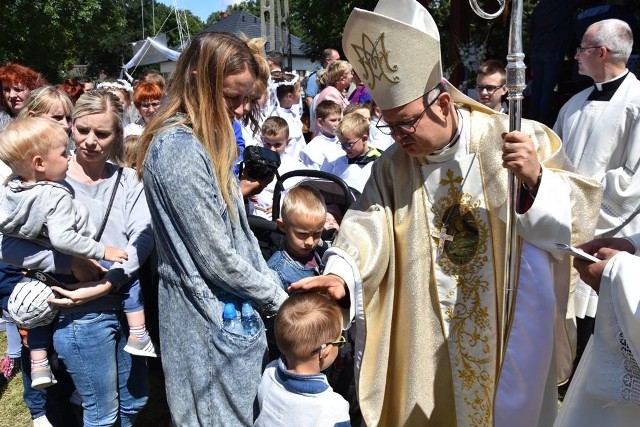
(420, 255)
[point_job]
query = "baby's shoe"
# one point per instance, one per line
(141, 347)
(42, 378)
(41, 421)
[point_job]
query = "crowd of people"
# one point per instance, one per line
(109, 184)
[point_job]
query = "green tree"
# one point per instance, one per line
(319, 23)
(45, 34)
(56, 34)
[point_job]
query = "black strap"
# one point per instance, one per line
(106, 214)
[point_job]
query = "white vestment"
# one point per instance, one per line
(355, 175)
(296, 138)
(602, 140)
(320, 149)
(605, 390)
(527, 394)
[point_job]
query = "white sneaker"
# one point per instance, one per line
(41, 421)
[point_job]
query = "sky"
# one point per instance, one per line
(202, 8)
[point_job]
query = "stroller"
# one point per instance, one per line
(334, 190)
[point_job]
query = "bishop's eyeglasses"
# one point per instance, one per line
(410, 125)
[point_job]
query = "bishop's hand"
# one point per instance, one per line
(331, 284)
(519, 155)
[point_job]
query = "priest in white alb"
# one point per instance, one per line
(420, 254)
(605, 390)
(600, 132)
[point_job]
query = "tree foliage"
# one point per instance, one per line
(319, 23)
(52, 35)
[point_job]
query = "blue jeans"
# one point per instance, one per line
(288, 269)
(112, 383)
(131, 292)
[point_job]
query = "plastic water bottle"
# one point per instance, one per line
(250, 322)
(230, 320)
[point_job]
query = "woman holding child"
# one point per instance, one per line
(90, 333)
(207, 254)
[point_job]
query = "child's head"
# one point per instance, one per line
(120, 88)
(130, 150)
(275, 134)
(364, 109)
(35, 149)
(302, 219)
(308, 326)
(328, 115)
(353, 133)
(289, 93)
(51, 103)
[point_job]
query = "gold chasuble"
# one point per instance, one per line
(428, 244)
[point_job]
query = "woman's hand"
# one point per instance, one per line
(86, 270)
(330, 283)
(80, 293)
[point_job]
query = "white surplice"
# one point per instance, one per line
(602, 140)
(605, 390)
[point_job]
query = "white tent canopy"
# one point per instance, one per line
(152, 50)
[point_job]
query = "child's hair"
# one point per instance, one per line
(283, 90)
(24, 138)
(120, 86)
(493, 66)
(304, 322)
(130, 151)
(353, 124)
(355, 106)
(153, 77)
(327, 108)
(44, 99)
(303, 199)
(273, 125)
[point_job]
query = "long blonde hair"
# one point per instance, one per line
(196, 89)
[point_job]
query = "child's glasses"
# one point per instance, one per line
(338, 343)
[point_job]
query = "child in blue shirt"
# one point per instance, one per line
(293, 390)
(302, 221)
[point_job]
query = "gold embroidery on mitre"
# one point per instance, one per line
(374, 59)
(471, 326)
